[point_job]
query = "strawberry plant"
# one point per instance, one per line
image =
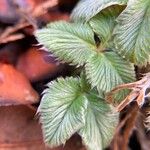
(106, 38)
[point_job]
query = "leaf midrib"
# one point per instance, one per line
(64, 116)
(114, 68)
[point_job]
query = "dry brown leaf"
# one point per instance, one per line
(55, 16)
(12, 38)
(137, 94)
(125, 129)
(20, 130)
(15, 88)
(33, 65)
(10, 34)
(43, 7)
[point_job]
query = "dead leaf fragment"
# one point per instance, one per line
(138, 93)
(15, 87)
(125, 129)
(20, 130)
(34, 66)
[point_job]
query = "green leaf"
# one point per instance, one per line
(132, 34)
(75, 43)
(67, 107)
(62, 110)
(86, 9)
(69, 42)
(104, 22)
(106, 70)
(101, 121)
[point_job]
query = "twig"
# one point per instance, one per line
(28, 19)
(10, 30)
(43, 8)
(12, 38)
(9, 34)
